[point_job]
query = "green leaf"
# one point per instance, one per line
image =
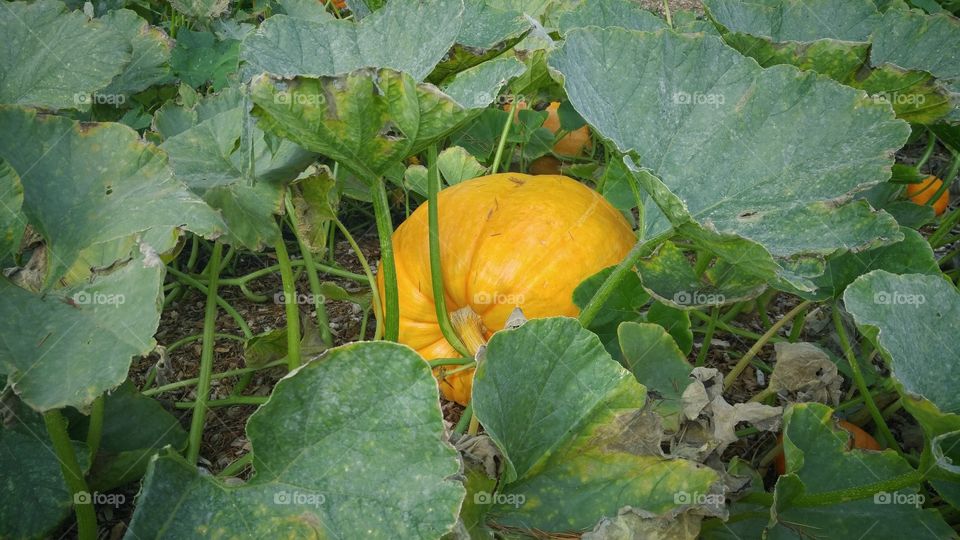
(135, 428)
(150, 60)
(910, 39)
(652, 355)
(478, 86)
(55, 58)
(214, 157)
(669, 277)
(68, 346)
(367, 120)
(797, 20)
(710, 126)
(625, 304)
(329, 461)
(569, 421)
(75, 174)
(457, 165)
(200, 58)
(914, 95)
(912, 255)
(816, 452)
(201, 9)
(675, 321)
(33, 497)
(12, 221)
(915, 320)
(610, 13)
(407, 35)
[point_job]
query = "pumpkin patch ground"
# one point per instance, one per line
(480, 269)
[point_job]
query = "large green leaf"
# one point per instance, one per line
(68, 346)
(610, 13)
(406, 35)
(150, 62)
(569, 422)
(915, 319)
(797, 20)
(911, 39)
(367, 120)
(818, 461)
(766, 154)
(478, 86)
(74, 175)
(485, 33)
(349, 446)
(33, 495)
(55, 58)
(239, 171)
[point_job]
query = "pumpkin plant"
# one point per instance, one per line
(506, 241)
(931, 188)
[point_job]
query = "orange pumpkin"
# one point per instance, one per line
(861, 439)
(573, 144)
(506, 240)
(921, 192)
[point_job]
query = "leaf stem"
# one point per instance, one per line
(72, 474)
(206, 358)
(503, 138)
(290, 306)
(226, 402)
(745, 360)
(95, 427)
(237, 465)
(323, 322)
(372, 281)
(381, 208)
(640, 249)
(222, 375)
(436, 271)
(861, 383)
(186, 278)
(708, 336)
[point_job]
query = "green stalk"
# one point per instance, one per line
(381, 207)
(745, 360)
(95, 427)
(206, 358)
(436, 272)
(226, 402)
(797, 328)
(290, 304)
(936, 239)
(732, 313)
(947, 180)
(244, 327)
(247, 278)
(503, 138)
(238, 465)
(464, 419)
(70, 467)
(927, 151)
(214, 376)
(708, 336)
(666, 13)
(861, 383)
(640, 249)
(732, 329)
(451, 362)
(372, 281)
(323, 322)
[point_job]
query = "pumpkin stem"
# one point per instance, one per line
(469, 327)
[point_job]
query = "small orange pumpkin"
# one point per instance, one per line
(921, 192)
(861, 439)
